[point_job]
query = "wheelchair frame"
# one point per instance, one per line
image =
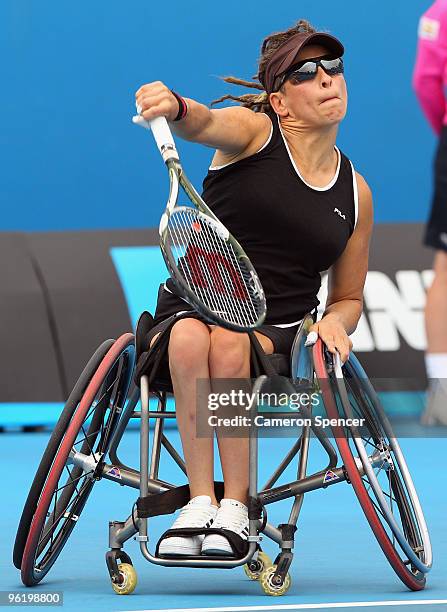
(148, 481)
(305, 363)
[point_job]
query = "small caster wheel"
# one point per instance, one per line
(129, 579)
(268, 586)
(255, 567)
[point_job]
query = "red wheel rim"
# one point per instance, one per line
(343, 446)
(61, 458)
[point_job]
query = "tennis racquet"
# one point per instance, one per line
(208, 266)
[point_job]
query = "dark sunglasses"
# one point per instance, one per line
(307, 70)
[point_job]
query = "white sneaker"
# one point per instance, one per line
(232, 515)
(198, 512)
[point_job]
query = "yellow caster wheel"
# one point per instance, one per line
(129, 576)
(255, 567)
(269, 588)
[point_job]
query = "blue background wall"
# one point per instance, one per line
(71, 159)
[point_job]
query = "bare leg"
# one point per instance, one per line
(230, 358)
(436, 355)
(188, 360)
(436, 307)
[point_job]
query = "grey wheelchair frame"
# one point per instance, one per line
(148, 481)
(305, 372)
(392, 510)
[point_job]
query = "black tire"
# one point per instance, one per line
(349, 396)
(51, 449)
(81, 454)
(411, 526)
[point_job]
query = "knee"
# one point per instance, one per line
(189, 345)
(229, 354)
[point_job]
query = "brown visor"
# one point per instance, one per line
(285, 56)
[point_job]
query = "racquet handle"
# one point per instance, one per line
(162, 134)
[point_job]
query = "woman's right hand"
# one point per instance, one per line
(156, 100)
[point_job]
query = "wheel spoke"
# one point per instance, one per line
(54, 514)
(390, 496)
(85, 439)
(107, 390)
(373, 444)
(91, 411)
(380, 468)
(67, 513)
(97, 406)
(391, 505)
(375, 504)
(388, 504)
(58, 506)
(51, 527)
(381, 444)
(72, 480)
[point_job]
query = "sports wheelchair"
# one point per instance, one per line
(121, 375)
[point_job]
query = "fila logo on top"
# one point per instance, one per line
(339, 213)
(393, 310)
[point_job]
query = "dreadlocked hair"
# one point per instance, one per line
(260, 102)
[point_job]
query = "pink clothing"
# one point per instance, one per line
(430, 71)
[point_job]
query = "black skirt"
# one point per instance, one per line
(436, 230)
(168, 304)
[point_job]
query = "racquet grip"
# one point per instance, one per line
(162, 134)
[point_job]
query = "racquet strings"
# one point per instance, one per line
(211, 269)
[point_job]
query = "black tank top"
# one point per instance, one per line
(290, 230)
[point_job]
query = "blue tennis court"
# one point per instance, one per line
(314, 136)
(337, 560)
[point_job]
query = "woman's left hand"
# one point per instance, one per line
(334, 335)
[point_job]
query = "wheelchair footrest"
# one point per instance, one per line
(168, 502)
(199, 557)
(238, 545)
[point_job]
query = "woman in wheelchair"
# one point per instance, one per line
(294, 201)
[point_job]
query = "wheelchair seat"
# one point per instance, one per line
(162, 381)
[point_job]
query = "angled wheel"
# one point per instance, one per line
(74, 458)
(268, 584)
(58, 433)
(255, 567)
(376, 468)
(128, 581)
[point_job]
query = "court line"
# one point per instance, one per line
(310, 606)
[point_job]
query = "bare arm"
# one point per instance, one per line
(347, 276)
(231, 130)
